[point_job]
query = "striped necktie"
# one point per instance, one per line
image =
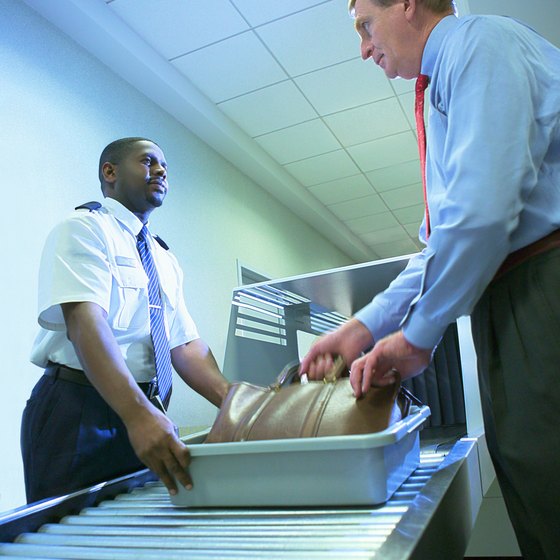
(421, 85)
(162, 354)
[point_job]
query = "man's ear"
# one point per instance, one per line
(409, 8)
(109, 171)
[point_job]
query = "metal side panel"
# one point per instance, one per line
(430, 516)
(440, 520)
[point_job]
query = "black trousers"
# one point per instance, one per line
(516, 330)
(71, 439)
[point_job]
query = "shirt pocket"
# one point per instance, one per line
(169, 285)
(130, 296)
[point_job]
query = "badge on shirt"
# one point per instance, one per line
(126, 261)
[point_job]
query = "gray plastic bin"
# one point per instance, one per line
(340, 470)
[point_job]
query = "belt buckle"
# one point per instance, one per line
(152, 389)
(157, 402)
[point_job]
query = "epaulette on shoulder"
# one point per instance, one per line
(91, 206)
(161, 242)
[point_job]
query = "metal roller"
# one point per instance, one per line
(144, 524)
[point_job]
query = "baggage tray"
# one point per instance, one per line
(333, 470)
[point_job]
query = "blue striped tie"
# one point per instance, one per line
(162, 355)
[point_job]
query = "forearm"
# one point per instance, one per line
(196, 365)
(151, 433)
(102, 360)
(385, 313)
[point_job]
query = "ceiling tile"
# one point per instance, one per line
(368, 122)
(312, 39)
(358, 208)
(271, 108)
(258, 12)
(395, 176)
(404, 247)
(275, 67)
(397, 233)
(410, 214)
(323, 168)
(342, 189)
(368, 224)
(385, 152)
(344, 85)
(176, 27)
(407, 103)
(403, 197)
(403, 86)
(221, 70)
(413, 229)
(301, 141)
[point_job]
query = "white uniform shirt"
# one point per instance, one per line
(91, 256)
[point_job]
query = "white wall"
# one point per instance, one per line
(58, 108)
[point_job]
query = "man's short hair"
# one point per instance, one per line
(436, 6)
(116, 151)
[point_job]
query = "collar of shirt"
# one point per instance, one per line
(124, 216)
(433, 44)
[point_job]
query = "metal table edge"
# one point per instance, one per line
(433, 526)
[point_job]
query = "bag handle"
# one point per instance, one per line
(287, 375)
(404, 397)
(289, 372)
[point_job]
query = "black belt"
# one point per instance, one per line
(72, 375)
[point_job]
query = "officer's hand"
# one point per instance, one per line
(155, 441)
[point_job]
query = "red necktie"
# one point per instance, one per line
(421, 85)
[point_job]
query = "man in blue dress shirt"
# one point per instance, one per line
(493, 251)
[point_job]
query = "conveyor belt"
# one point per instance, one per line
(144, 524)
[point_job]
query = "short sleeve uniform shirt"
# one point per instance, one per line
(92, 257)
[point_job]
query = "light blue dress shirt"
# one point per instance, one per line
(493, 170)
